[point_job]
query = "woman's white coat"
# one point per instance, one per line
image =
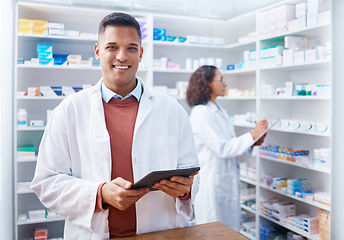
(218, 148)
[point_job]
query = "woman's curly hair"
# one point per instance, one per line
(198, 91)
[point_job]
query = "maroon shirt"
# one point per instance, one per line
(120, 118)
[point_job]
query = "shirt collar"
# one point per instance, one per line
(107, 94)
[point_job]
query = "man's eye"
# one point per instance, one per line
(111, 47)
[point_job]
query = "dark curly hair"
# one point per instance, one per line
(198, 91)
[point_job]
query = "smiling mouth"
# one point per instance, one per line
(121, 67)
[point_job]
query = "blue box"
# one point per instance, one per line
(44, 47)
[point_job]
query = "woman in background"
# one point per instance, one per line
(218, 148)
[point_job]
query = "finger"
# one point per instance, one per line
(183, 180)
(122, 183)
(180, 187)
(170, 191)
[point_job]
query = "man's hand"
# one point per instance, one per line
(177, 186)
(261, 126)
(118, 194)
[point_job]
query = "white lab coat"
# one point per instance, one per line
(218, 198)
(75, 157)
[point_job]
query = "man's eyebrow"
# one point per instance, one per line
(134, 44)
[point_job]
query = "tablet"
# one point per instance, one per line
(262, 134)
(156, 176)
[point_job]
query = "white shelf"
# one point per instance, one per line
(178, 44)
(248, 208)
(69, 67)
(172, 71)
(246, 180)
(27, 159)
(240, 46)
(323, 170)
(292, 228)
(298, 98)
(240, 72)
(312, 203)
(298, 66)
(25, 191)
(249, 236)
(245, 125)
(304, 31)
(236, 98)
(40, 98)
(56, 37)
(300, 132)
(26, 222)
(30, 128)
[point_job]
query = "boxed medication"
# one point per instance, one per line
(36, 214)
(296, 42)
(55, 25)
(288, 56)
(58, 32)
(312, 19)
(299, 57)
(311, 55)
(324, 18)
(25, 151)
(25, 26)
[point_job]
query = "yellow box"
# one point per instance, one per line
(25, 30)
(38, 24)
(42, 31)
(25, 23)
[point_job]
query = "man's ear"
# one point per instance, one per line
(141, 53)
(96, 51)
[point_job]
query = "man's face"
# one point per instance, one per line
(119, 51)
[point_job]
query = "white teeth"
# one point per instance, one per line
(122, 67)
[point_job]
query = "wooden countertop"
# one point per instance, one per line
(207, 231)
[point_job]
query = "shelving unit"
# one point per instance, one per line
(86, 20)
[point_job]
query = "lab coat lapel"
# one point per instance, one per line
(99, 137)
(145, 107)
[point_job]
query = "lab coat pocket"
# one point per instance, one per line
(167, 147)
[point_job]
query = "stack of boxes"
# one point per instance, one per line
(271, 56)
(324, 222)
(275, 21)
(45, 54)
(40, 27)
(25, 26)
(56, 29)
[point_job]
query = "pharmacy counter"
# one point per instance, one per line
(208, 231)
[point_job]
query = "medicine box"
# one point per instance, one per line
(296, 42)
(44, 47)
(310, 55)
(25, 151)
(312, 19)
(55, 25)
(299, 57)
(53, 31)
(36, 214)
(25, 26)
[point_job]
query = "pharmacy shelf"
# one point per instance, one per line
(245, 125)
(323, 170)
(69, 67)
(242, 46)
(301, 98)
(249, 236)
(25, 191)
(40, 98)
(240, 72)
(55, 219)
(172, 71)
(292, 228)
(300, 132)
(27, 159)
(177, 44)
(247, 208)
(55, 37)
(236, 98)
(312, 203)
(249, 181)
(300, 66)
(309, 31)
(27, 128)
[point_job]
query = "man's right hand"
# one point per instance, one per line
(118, 194)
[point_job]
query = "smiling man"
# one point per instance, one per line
(101, 140)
